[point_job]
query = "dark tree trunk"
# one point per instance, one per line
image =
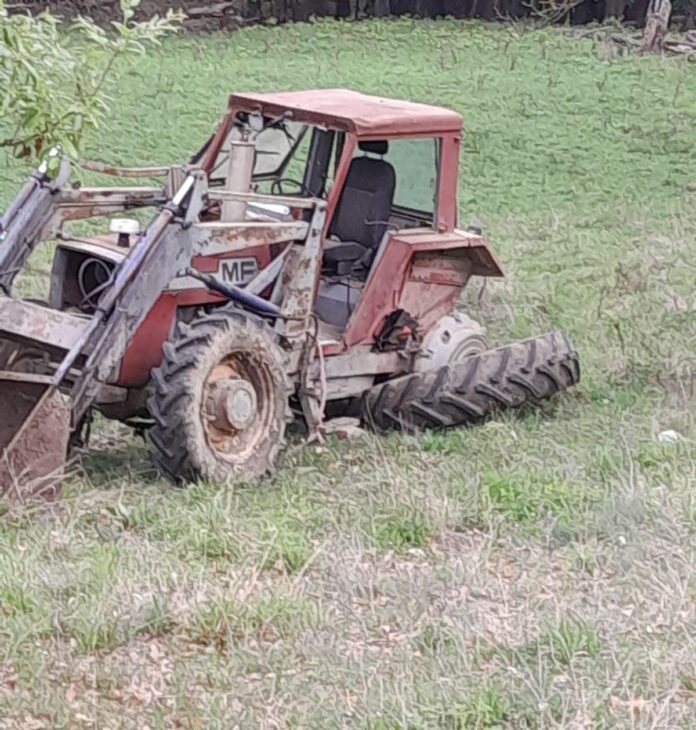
(636, 11)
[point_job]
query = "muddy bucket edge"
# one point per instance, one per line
(33, 443)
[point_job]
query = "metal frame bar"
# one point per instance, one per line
(291, 202)
(116, 171)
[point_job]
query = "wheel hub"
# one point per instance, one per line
(232, 404)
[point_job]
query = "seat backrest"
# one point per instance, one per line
(363, 210)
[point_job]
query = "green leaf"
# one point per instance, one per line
(69, 148)
(55, 78)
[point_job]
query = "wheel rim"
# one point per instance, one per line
(237, 409)
(468, 347)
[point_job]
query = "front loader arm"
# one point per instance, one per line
(162, 252)
(38, 412)
(84, 203)
(44, 205)
(23, 222)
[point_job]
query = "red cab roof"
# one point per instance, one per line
(351, 111)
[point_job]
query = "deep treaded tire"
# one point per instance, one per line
(208, 357)
(468, 392)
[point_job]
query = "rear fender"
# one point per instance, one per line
(422, 272)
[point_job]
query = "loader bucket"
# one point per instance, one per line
(34, 433)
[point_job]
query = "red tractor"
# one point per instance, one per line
(305, 262)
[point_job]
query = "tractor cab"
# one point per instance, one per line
(383, 166)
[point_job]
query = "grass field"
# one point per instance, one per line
(536, 572)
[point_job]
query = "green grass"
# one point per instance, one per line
(535, 572)
(400, 533)
(484, 708)
(224, 624)
(564, 641)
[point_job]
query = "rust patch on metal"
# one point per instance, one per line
(39, 324)
(32, 453)
(231, 237)
(441, 268)
(117, 171)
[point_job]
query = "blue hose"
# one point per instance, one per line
(234, 293)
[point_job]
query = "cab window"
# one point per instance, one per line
(415, 163)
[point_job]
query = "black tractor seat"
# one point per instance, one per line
(362, 214)
(344, 258)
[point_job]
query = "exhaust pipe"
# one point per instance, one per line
(34, 434)
(240, 168)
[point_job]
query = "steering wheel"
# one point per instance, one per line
(277, 187)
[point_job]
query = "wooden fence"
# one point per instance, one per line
(225, 14)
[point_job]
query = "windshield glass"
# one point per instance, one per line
(278, 147)
(291, 158)
(281, 151)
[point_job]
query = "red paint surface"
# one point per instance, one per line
(209, 264)
(426, 294)
(145, 349)
(351, 111)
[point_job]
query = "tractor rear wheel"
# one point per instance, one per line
(471, 390)
(220, 401)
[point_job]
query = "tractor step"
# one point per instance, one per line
(470, 391)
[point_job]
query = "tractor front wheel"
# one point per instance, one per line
(220, 401)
